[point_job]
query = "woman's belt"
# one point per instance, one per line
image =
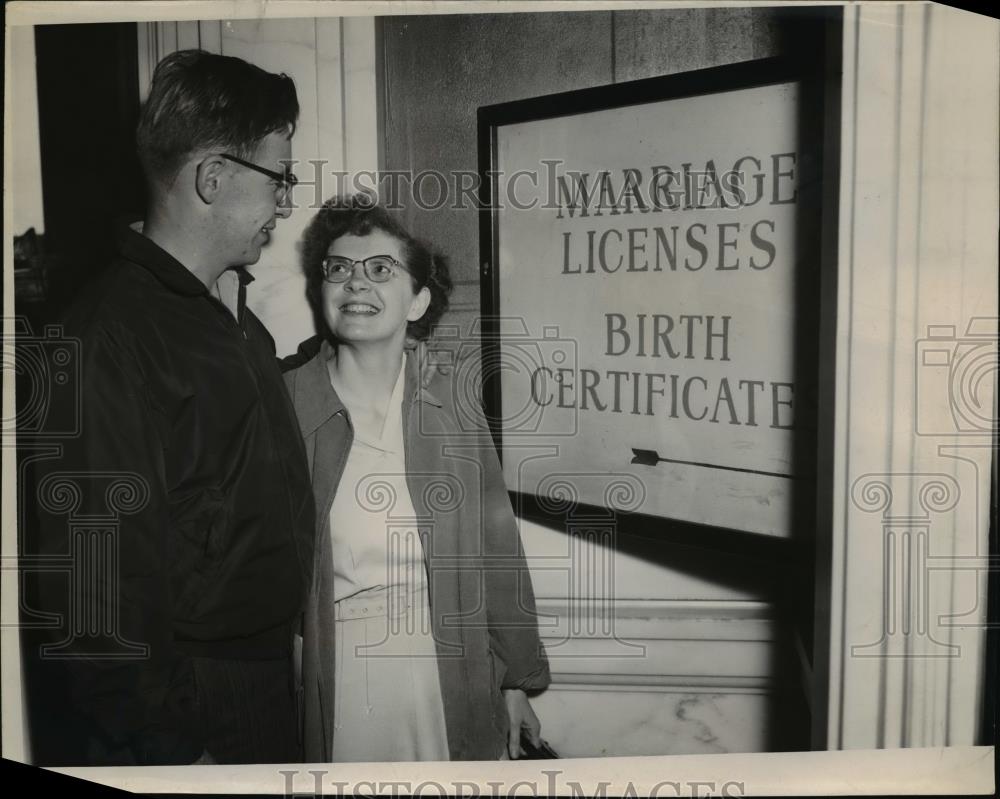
(373, 602)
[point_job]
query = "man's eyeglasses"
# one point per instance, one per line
(378, 268)
(286, 181)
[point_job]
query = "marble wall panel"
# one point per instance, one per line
(594, 721)
(674, 678)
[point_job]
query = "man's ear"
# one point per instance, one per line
(209, 178)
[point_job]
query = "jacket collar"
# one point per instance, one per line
(413, 379)
(135, 247)
(316, 401)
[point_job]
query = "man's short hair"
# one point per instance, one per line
(200, 101)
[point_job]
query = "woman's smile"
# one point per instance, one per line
(359, 308)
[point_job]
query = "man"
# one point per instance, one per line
(183, 403)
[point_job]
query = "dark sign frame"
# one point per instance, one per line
(805, 68)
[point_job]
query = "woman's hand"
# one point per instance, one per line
(521, 717)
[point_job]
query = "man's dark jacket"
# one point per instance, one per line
(189, 457)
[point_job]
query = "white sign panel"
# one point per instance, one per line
(646, 270)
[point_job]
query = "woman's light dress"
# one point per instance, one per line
(388, 704)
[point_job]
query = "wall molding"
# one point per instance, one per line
(660, 684)
(659, 646)
(902, 553)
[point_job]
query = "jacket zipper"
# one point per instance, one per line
(240, 324)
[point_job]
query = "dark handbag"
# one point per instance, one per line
(541, 752)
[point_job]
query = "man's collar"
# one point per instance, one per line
(136, 247)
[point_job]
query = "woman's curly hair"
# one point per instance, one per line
(359, 215)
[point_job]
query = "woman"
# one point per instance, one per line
(420, 640)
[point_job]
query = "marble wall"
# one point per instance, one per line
(658, 676)
(25, 167)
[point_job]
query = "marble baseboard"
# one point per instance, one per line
(624, 723)
(660, 677)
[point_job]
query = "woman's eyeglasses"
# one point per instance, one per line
(285, 181)
(377, 268)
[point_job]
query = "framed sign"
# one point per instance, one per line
(643, 246)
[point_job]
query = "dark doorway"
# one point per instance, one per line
(88, 107)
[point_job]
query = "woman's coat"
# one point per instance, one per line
(482, 603)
